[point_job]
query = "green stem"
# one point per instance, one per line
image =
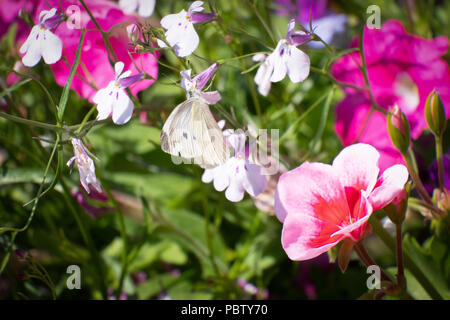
(400, 269)
(416, 179)
(439, 153)
(409, 263)
(32, 123)
(368, 261)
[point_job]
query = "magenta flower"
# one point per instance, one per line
(403, 69)
(95, 70)
(85, 165)
(86, 202)
(285, 59)
(321, 204)
(238, 175)
(113, 100)
(195, 85)
(42, 42)
(180, 33)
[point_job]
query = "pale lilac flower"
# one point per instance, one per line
(145, 7)
(194, 86)
(238, 174)
(42, 42)
(113, 99)
(85, 165)
(180, 33)
(285, 59)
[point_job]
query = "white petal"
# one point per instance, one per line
(34, 51)
(125, 74)
(279, 65)
(31, 37)
(196, 6)
(173, 19)
(297, 63)
(118, 68)
(221, 178)
(208, 175)
(161, 43)
(183, 39)
(51, 47)
(235, 192)
(146, 8)
(122, 108)
(128, 6)
(262, 78)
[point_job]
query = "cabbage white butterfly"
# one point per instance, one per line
(191, 132)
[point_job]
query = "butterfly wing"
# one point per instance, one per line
(191, 132)
(209, 135)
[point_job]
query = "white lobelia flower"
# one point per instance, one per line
(145, 7)
(194, 86)
(42, 42)
(180, 33)
(285, 59)
(113, 99)
(85, 164)
(238, 175)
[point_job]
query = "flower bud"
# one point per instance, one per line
(133, 32)
(398, 128)
(396, 210)
(435, 113)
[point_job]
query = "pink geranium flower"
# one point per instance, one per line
(321, 204)
(95, 70)
(403, 69)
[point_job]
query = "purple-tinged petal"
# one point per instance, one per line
(211, 97)
(202, 17)
(128, 81)
(297, 38)
(203, 77)
(52, 22)
(196, 6)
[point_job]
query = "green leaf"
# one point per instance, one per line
(65, 93)
(425, 262)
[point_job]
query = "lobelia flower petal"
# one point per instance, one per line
(196, 6)
(51, 47)
(221, 179)
(146, 8)
(126, 81)
(357, 166)
(128, 6)
(235, 191)
(278, 63)
(172, 20)
(118, 68)
(262, 78)
(208, 175)
(390, 184)
(122, 108)
(32, 48)
(211, 97)
(104, 100)
(297, 63)
(202, 17)
(184, 43)
(203, 77)
(255, 182)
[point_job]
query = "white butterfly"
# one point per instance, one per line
(192, 133)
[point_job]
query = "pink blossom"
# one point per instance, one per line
(403, 69)
(95, 70)
(321, 204)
